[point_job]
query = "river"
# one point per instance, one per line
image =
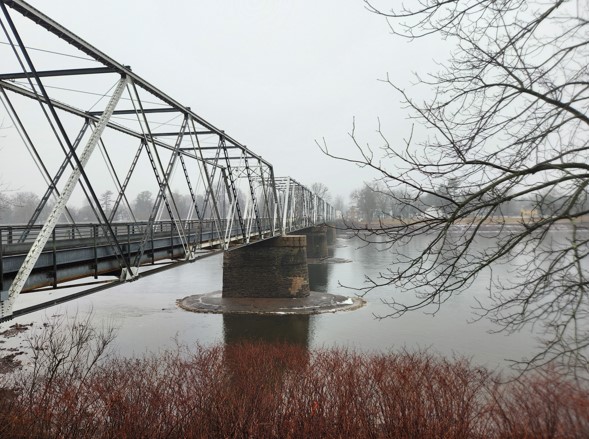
(148, 320)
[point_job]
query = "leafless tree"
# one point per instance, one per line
(4, 199)
(62, 356)
(106, 201)
(366, 202)
(339, 204)
(23, 206)
(508, 122)
(143, 205)
(321, 190)
(5, 203)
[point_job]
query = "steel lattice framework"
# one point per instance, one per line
(68, 100)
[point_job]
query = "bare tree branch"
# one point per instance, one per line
(503, 176)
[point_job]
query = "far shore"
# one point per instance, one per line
(493, 221)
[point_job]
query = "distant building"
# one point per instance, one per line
(531, 213)
(431, 212)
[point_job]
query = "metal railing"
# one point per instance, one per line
(205, 230)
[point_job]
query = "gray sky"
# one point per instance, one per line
(275, 75)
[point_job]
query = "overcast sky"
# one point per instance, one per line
(275, 75)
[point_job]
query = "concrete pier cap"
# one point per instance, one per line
(273, 268)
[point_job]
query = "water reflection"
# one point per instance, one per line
(318, 277)
(292, 329)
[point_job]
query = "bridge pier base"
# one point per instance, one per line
(273, 268)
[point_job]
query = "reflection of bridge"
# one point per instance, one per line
(67, 99)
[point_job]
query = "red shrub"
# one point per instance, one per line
(284, 391)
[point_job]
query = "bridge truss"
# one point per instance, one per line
(99, 133)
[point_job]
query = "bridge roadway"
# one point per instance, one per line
(83, 250)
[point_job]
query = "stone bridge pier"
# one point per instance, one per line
(331, 234)
(319, 239)
(276, 267)
(273, 268)
(271, 277)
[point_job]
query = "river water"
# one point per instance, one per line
(148, 319)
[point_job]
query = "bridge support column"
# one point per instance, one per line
(273, 268)
(316, 242)
(331, 235)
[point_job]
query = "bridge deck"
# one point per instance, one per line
(84, 250)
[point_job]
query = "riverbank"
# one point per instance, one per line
(490, 222)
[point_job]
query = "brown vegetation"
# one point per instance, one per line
(281, 391)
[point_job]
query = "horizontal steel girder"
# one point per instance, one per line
(49, 73)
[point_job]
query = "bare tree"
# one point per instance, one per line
(63, 356)
(143, 205)
(339, 204)
(106, 201)
(508, 122)
(5, 203)
(23, 206)
(321, 190)
(366, 202)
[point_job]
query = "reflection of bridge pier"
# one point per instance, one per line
(292, 328)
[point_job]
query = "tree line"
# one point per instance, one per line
(18, 207)
(377, 201)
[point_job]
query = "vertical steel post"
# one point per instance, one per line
(152, 248)
(285, 209)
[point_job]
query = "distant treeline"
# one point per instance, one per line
(375, 201)
(19, 207)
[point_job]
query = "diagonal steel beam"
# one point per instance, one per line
(51, 182)
(146, 111)
(126, 182)
(47, 230)
(87, 115)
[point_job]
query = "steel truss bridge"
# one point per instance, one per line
(98, 132)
